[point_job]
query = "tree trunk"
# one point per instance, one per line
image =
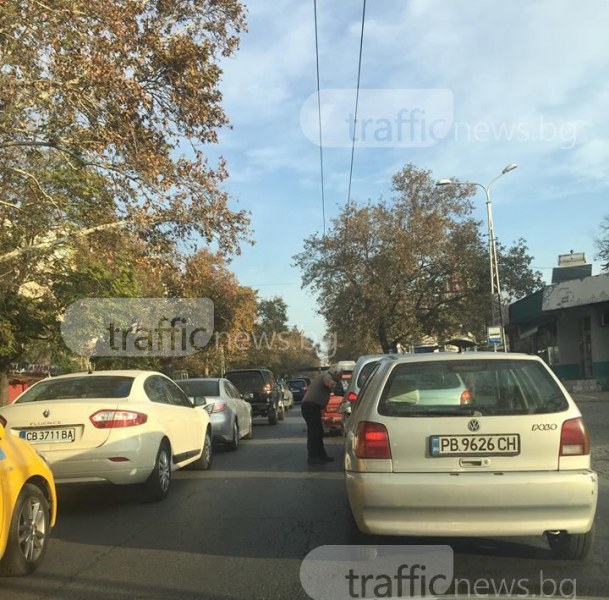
(3, 388)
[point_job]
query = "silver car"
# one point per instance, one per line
(508, 455)
(231, 415)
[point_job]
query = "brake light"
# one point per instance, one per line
(305, 388)
(351, 397)
(466, 397)
(2, 421)
(218, 407)
(267, 387)
(574, 439)
(372, 441)
(109, 419)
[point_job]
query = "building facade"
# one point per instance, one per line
(567, 324)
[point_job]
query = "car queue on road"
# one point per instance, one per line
(120, 427)
(468, 431)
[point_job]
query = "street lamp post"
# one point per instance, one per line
(497, 312)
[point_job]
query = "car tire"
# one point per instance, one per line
(273, 417)
(570, 546)
(233, 444)
(203, 463)
(23, 554)
(158, 483)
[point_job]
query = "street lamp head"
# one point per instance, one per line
(445, 182)
(509, 168)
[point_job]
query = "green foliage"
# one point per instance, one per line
(405, 270)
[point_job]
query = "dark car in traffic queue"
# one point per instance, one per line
(259, 387)
(298, 387)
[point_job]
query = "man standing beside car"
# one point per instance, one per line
(313, 403)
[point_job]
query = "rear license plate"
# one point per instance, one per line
(505, 444)
(49, 436)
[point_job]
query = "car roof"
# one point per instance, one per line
(443, 356)
(107, 373)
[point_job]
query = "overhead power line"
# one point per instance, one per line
(359, 73)
(321, 148)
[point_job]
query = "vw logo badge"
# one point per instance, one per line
(46, 413)
(473, 425)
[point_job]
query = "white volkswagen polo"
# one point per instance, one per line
(121, 427)
(470, 444)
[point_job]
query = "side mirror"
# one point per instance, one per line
(345, 408)
(198, 400)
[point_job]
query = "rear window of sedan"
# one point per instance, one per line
(497, 387)
(200, 388)
(78, 388)
(297, 384)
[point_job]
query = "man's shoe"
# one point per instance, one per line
(316, 461)
(328, 459)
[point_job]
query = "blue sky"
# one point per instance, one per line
(527, 82)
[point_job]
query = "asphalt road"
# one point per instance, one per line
(241, 531)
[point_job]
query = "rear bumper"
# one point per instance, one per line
(262, 409)
(473, 504)
(129, 461)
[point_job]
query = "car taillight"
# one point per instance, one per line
(267, 387)
(2, 421)
(351, 397)
(305, 388)
(372, 441)
(574, 439)
(108, 419)
(218, 407)
(466, 397)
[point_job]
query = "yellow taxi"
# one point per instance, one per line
(28, 505)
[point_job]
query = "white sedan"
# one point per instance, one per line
(120, 427)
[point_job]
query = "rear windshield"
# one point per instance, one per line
(81, 388)
(496, 387)
(200, 388)
(297, 384)
(246, 380)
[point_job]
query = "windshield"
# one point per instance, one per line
(81, 388)
(499, 387)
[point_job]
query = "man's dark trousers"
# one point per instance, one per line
(311, 413)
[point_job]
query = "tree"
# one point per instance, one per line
(205, 275)
(602, 244)
(98, 98)
(397, 272)
(99, 102)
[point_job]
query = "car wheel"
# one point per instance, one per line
(203, 463)
(233, 444)
(28, 533)
(273, 417)
(570, 546)
(157, 484)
